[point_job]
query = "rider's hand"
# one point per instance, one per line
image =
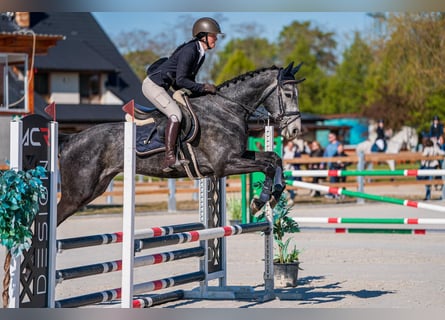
(210, 88)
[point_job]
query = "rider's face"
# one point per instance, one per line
(212, 38)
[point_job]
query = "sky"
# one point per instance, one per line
(342, 23)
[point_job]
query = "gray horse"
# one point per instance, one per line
(90, 159)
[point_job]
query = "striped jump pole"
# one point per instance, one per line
(340, 220)
(114, 294)
(205, 234)
(116, 237)
(112, 266)
(154, 300)
(355, 194)
(379, 231)
(355, 173)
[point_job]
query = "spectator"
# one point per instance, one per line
(436, 129)
(316, 152)
(441, 145)
(329, 152)
(430, 149)
(290, 151)
(441, 142)
(340, 165)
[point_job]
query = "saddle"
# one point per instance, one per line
(150, 133)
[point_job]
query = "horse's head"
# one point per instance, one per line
(282, 101)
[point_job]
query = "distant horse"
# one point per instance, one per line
(90, 159)
(406, 138)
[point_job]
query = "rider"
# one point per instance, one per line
(179, 71)
(380, 142)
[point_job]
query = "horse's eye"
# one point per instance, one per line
(288, 95)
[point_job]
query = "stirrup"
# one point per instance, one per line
(172, 167)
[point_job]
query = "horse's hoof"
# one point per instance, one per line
(255, 207)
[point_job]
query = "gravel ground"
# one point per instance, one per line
(340, 270)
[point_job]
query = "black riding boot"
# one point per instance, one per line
(171, 134)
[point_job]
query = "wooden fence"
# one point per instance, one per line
(187, 186)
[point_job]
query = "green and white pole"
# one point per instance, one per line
(355, 194)
(355, 173)
(345, 220)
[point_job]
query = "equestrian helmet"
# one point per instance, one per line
(205, 25)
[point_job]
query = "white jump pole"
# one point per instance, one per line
(268, 238)
(128, 216)
(15, 163)
(52, 236)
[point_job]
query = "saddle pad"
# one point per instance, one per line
(147, 139)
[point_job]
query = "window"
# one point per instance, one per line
(13, 82)
(90, 87)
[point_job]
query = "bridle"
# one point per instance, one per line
(291, 115)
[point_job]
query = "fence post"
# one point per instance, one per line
(171, 195)
(361, 179)
(128, 215)
(15, 163)
(443, 178)
(268, 238)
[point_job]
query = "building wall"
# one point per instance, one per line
(64, 88)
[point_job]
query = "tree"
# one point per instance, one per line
(345, 92)
(410, 65)
(139, 60)
(302, 42)
(258, 51)
(237, 64)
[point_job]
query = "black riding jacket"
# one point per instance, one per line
(180, 70)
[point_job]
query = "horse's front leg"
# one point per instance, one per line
(267, 191)
(271, 165)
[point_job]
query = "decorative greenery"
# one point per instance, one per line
(282, 225)
(234, 208)
(20, 192)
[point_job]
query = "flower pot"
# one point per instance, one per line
(286, 274)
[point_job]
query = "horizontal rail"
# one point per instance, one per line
(374, 230)
(365, 173)
(112, 266)
(116, 237)
(157, 299)
(112, 294)
(356, 194)
(205, 234)
(340, 220)
(371, 157)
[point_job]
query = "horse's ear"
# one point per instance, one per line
(288, 69)
(295, 70)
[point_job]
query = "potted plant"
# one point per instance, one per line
(234, 210)
(20, 193)
(286, 259)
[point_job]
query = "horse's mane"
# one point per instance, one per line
(243, 77)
